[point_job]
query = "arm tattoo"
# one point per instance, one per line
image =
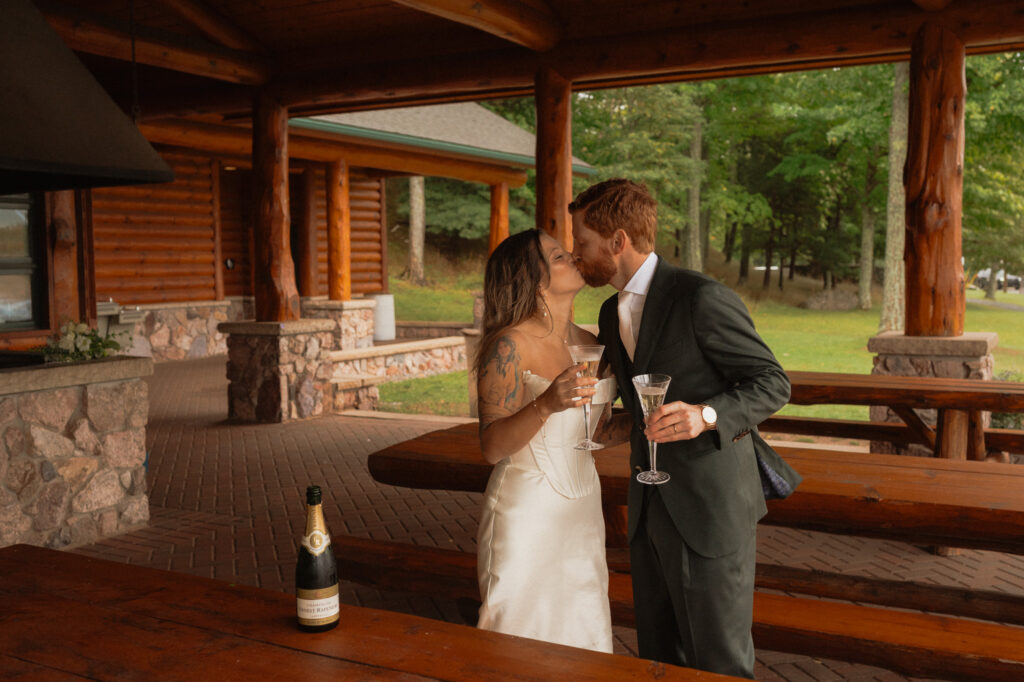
(500, 383)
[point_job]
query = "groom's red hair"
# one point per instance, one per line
(619, 204)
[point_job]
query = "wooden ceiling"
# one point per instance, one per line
(320, 56)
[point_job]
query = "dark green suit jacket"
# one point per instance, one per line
(698, 331)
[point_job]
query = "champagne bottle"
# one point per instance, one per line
(316, 572)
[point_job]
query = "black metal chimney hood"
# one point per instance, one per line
(58, 128)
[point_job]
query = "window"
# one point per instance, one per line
(22, 289)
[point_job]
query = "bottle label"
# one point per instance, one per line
(317, 607)
(316, 542)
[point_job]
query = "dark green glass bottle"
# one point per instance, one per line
(316, 572)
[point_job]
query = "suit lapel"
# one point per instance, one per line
(656, 307)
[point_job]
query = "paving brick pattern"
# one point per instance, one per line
(227, 502)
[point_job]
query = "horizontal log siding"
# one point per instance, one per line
(154, 243)
(367, 248)
(236, 231)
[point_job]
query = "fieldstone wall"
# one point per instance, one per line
(398, 361)
(279, 371)
(408, 331)
(960, 357)
(354, 320)
(73, 452)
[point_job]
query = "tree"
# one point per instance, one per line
(417, 231)
(893, 296)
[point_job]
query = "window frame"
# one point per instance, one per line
(35, 265)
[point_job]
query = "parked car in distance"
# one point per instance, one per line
(1003, 280)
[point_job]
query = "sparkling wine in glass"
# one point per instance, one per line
(651, 388)
(590, 357)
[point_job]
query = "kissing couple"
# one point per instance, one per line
(541, 560)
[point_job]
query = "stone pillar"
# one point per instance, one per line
(354, 319)
(279, 371)
(968, 356)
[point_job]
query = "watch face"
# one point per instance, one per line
(709, 415)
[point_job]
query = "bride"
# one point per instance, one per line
(541, 554)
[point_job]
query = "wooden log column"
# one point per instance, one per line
(933, 178)
(499, 215)
(60, 212)
(554, 154)
(306, 269)
(277, 298)
(339, 232)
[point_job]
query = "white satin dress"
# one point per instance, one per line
(540, 548)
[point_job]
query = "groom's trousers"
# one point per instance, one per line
(691, 610)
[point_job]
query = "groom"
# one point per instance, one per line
(692, 540)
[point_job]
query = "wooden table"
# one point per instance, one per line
(66, 616)
(959, 402)
(912, 499)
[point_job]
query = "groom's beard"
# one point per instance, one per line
(600, 271)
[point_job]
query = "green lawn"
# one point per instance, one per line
(802, 340)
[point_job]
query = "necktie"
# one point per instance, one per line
(626, 322)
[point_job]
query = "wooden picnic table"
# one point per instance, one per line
(959, 432)
(920, 500)
(67, 616)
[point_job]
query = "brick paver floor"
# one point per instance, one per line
(227, 502)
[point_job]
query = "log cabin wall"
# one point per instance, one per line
(155, 248)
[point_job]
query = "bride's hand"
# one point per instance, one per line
(569, 389)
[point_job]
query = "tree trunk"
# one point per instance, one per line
(769, 255)
(705, 236)
(992, 285)
(417, 229)
(691, 246)
(895, 212)
(730, 241)
(744, 256)
(867, 242)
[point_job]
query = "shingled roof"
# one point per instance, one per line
(462, 127)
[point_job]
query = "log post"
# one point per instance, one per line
(277, 299)
(60, 213)
(554, 157)
(306, 269)
(933, 179)
(499, 215)
(218, 250)
(339, 232)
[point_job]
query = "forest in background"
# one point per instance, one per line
(793, 170)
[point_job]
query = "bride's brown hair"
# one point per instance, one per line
(514, 273)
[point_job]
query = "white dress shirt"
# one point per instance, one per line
(631, 302)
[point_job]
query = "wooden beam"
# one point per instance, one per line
(95, 36)
(213, 24)
(326, 148)
(554, 157)
(530, 24)
(860, 35)
(339, 232)
(277, 299)
(933, 180)
(499, 215)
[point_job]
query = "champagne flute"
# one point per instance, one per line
(652, 389)
(590, 357)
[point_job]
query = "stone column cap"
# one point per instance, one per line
(316, 302)
(969, 344)
(61, 374)
(286, 328)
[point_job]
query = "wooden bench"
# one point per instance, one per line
(918, 644)
(959, 403)
(912, 499)
(926, 501)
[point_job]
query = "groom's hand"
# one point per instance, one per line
(674, 421)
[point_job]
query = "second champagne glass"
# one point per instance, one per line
(590, 357)
(652, 389)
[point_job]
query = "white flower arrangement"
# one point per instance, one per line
(78, 341)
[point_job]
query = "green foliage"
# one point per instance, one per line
(1008, 420)
(459, 209)
(78, 341)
